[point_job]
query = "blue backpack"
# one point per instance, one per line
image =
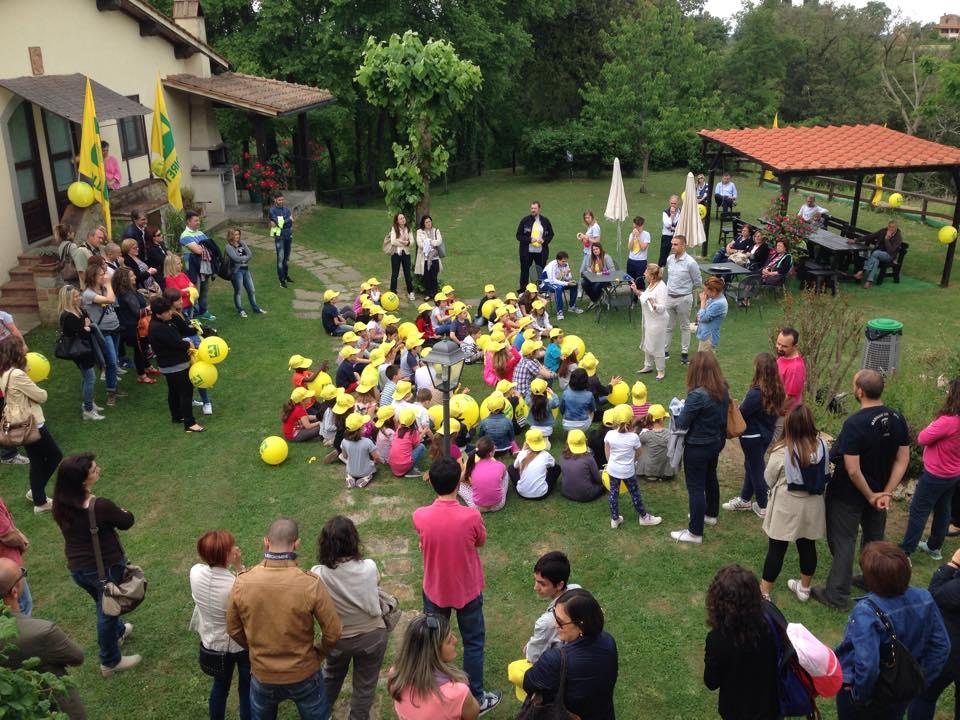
(795, 691)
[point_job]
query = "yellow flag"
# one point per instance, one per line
(163, 153)
(767, 175)
(878, 193)
(91, 167)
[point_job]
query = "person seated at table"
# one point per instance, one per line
(725, 193)
(888, 242)
(557, 277)
(812, 213)
(758, 254)
(778, 265)
(598, 263)
(703, 190)
(741, 243)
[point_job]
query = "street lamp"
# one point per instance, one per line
(445, 362)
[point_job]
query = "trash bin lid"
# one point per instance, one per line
(885, 325)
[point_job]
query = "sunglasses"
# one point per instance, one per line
(23, 574)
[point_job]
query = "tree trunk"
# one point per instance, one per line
(644, 172)
(379, 163)
(425, 163)
(371, 171)
(357, 151)
(333, 162)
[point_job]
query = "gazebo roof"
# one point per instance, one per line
(836, 149)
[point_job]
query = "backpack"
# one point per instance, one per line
(815, 475)
(66, 267)
(795, 690)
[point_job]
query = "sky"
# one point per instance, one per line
(919, 10)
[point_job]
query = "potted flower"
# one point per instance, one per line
(265, 180)
(781, 225)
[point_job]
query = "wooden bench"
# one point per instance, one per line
(893, 268)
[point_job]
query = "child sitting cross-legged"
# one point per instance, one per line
(654, 463)
(358, 452)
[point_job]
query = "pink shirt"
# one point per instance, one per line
(941, 446)
(486, 480)
(6, 524)
(450, 534)
(431, 707)
(640, 410)
(401, 452)
(793, 372)
(111, 167)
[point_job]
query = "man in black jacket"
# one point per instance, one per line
(137, 230)
(534, 234)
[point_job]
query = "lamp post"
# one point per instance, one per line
(446, 363)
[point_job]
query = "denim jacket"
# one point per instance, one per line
(918, 624)
(577, 405)
(704, 418)
(499, 428)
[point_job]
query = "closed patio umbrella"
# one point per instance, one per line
(691, 224)
(616, 201)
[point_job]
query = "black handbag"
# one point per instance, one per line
(901, 678)
(534, 708)
(71, 347)
(213, 662)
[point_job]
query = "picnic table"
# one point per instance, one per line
(723, 270)
(609, 284)
(829, 248)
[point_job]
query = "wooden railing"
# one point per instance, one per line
(926, 206)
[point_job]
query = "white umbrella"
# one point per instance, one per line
(691, 224)
(616, 200)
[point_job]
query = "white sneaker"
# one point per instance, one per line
(126, 662)
(127, 632)
(576, 311)
(802, 593)
(413, 298)
(29, 495)
(121, 371)
(208, 408)
(92, 415)
(17, 459)
(707, 520)
(737, 503)
(560, 316)
(649, 519)
(758, 511)
(95, 406)
(614, 524)
(686, 536)
(197, 403)
(243, 313)
(46, 507)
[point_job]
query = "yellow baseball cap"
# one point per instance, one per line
(373, 281)
(364, 386)
(538, 304)
(505, 385)
(447, 289)
(384, 413)
(482, 342)
(577, 442)
(298, 361)
(425, 352)
(555, 332)
(501, 311)
(348, 351)
(494, 346)
(658, 412)
(359, 326)
(364, 286)
(376, 358)
(375, 310)
(530, 334)
(524, 321)
(344, 402)
(413, 342)
(349, 337)
(609, 418)
(495, 403)
(404, 388)
(408, 417)
(300, 394)
(638, 393)
(330, 295)
(538, 386)
(355, 421)
(497, 335)
(623, 414)
(454, 427)
(390, 319)
(531, 287)
(529, 347)
(329, 392)
(424, 307)
(510, 296)
(439, 297)
(489, 288)
(589, 363)
(535, 439)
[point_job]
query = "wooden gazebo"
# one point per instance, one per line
(857, 150)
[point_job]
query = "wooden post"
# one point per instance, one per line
(784, 193)
(952, 247)
(260, 137)
(923, 210)
(856, 205)
(710, 180)
(302, 164)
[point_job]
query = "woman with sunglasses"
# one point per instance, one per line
(423, 683)
(590, 655)
(155, 253)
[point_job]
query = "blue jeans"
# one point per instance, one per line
(934, 494)
(109, 629)
(282, 246)
(221, 687)
(26, 600)
(106, 353)
(703, 488)
(309, 695)
(242, 277)
(341, 330)
(418, 452)
(88, 377)
(557, 289)
(202, 287)
(753, 466)
(924, 707)
(472, 634)
(636, 269)
(871, 266)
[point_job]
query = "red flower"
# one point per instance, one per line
(286, 166)
(249, 186)
(257, 164)
(246, 156)
(246, 175)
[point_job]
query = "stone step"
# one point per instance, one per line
(26, 320)
(32, 260)
(19, 289)
(13, 305)
(20, 273)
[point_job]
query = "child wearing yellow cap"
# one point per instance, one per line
(489, 293)
(348, 374)
(654, 462)
(622, 446)
(423, 323)
(527, 297)
(542, 401)
(358, 452)
(333, 321)
(580, 479)
(406, 450)
(541, 318)
(497, 426)
(534, 473)
(638, 399)
(440, 317)
(298, 424)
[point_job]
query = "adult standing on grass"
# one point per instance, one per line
(790, 363)
(271, 612)
(173, 358)
(637, 245)
(589, 238)
(713, 309)
(450, 536)
(98, 302)
(353, 583)
(210, 584)
(428, 264)
(73, 500)
(669, 218)
(201, 257)
(23, 398)
(939, 479)
(400, 245)
(534, 234)
(156, 254)
(704, 417)
(241, 256)
(654, 300)
(75, 323)
(13, 544)
(281, 228)
(870, 457)
(683, 277)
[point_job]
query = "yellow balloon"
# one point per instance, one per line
(319, 381)
(702, 209)
(273, 450)
(947, 234)
(80, 194)
(436, 414)
(683, 196)
(389, 301)
(405, 328)
(490, 307)
(38, 367)
(619, 394)
(895, 200)
(465, 408)
(573, 341)
(213, 350)
(605, 476)
(203, 374)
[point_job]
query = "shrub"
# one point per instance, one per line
(26, 693)
(545, 150)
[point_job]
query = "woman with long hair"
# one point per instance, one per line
(763, 404)
(74, 322)
(423, 682)
(400, 244)
(131, 307)
(177, 279)
(597, 262)
(938, 481)
(99, 302)
(740, 658)
(72, 500)
(240, 254)
(653, 305)
(23, 398)
(797, 468)
(578, 403)
(210, 584)
(173, 358)
(704, 417)
(353, 583)
(428, 264)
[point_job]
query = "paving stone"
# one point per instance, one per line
(308, 315)
(397, 566)
(387, 546)
(306, 305)
(300, 294)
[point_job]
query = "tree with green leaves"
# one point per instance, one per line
(26, 693)
(423, 86)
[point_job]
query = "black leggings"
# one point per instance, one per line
(430, 272)
(396, 262)
(180, 397)
(44, 457)
(132, 341)
(777, 549)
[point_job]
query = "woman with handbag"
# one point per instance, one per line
(353, 583)
(895, 642)
(210, 585)
(398, 243)
(23, 422)
(423, 682)
(578, 676)
(77, 341)
(98, 302)
(131, 307)
(74, 506)
(430, 250)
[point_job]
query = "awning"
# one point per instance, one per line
(264, 96)
(63, 95)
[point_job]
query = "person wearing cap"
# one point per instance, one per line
(638, 399)
(325, 411)
(430, 249)
(713, 309)
(524, 334)
(534, 473)
(406, 450)
(589, 363)
(683, 277)
(440, 317)
(551, 358)
(342, 406)
(497, 426)
(460, 326)
(515, 407)
(300, 367)
(362, 300)
(358, 452)
(489, 293)
(654, 462)
(578, 403)
(384, 428)
(540, 317)
(410, 357)
(424, 324)
(333, 322)
(534, 234)
(580, 479)
(298, 424)
(399, 243)
(530, 366)
(347, 376)
(529, 294)
(542, 402)
(374, 292)
(622, 449)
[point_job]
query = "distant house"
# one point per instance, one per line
(949, 26)
(47, 47)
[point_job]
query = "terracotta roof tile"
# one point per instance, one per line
(835, 147)
(261, 95)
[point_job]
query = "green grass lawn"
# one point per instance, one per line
(180, 485)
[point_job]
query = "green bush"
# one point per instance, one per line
(545, 150)
(26, 693)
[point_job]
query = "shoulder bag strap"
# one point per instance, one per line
(883, 618)
(95, 537)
